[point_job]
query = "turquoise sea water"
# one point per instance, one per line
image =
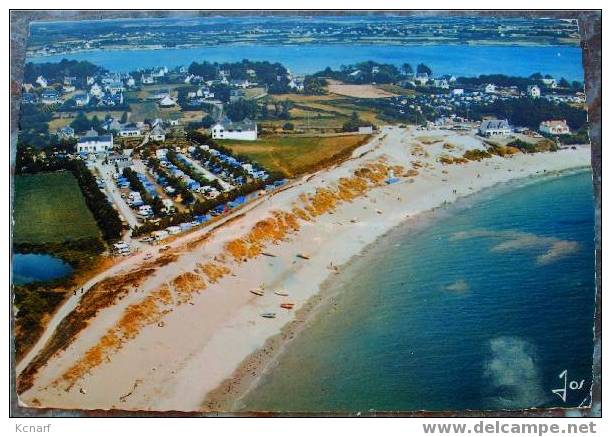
(34, 267)
(460, 60)
(481, 309)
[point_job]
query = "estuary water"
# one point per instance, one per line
(483, 308)
(459, 60)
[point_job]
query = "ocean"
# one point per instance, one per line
(459, 60)
(488, 306)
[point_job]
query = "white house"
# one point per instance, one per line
(94, 143)
(458, 91)
(147, 79)
(549, 82)
(554, 127)
(96, 91)
(494, 127)
(130, 130)
(441, 83)
(226, 129)
(296, 83)
(167, 102)
(365, 130)
(490, 88)
(40, 80)
(81, 99)
(534, 91)
(157, 134)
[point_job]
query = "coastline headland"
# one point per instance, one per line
(195, 332)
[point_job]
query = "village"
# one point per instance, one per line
(165, 171)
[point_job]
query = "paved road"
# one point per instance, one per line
(114, 195)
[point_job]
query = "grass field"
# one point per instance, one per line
(50, 208)
(140, 111)
(293, 155)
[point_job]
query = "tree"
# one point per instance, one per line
(288, 126)
(424, 69)
(353, 124)
(124, 117)
(314, 86)
(207, 121)
(407, 69)
(81, 123)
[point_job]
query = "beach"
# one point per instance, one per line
(197, 341)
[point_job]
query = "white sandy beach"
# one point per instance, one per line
(175, 362)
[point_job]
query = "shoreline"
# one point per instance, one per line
(229, 395)
(39, 58)
(200, 346)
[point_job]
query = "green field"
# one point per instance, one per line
(50, 208)
(293, 155)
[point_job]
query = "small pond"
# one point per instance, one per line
(33, 267)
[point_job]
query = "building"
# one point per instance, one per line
(81, 99)
(554, 127)
(40, 80)
(157, 134)
(65, 133)
(147, 79)
(130, 130)
(96, 91)
(236, 95)
(490, 88)
(29, 98)
(226, 129)
(240, 83)
(94, 143)
(50, 97)
(490, 128)
(533, 91)
(549, 82)
(167, 102)
(365, 130)
(441, 83)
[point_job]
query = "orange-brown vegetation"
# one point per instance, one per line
(135, 317)
(186, 284)
(103, 294)
(214, 271)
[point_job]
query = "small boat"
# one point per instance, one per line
(303, 256)
(287, 306)
(269, 315)
(281, 293)
(257, 292)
